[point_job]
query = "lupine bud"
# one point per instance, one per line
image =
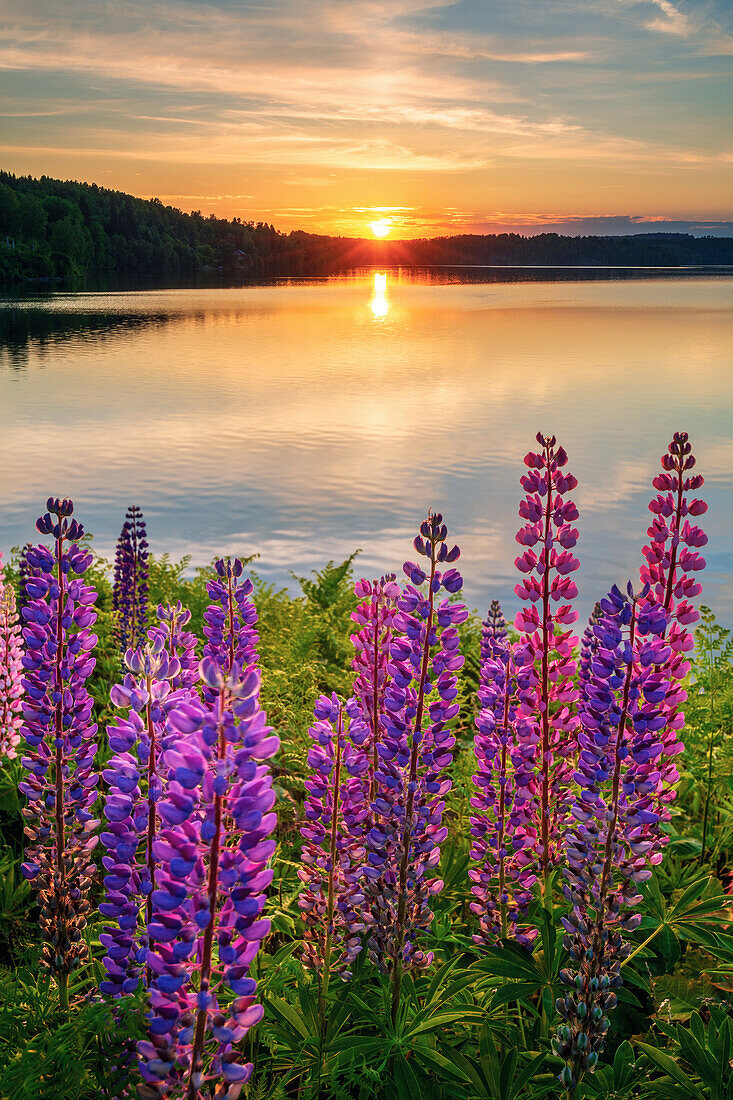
(59, 736)
(130, 591)
(493, 629)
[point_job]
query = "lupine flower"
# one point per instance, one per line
(11, 687)
(180, 643)
(375, 617)
(546, 720)
(332, 898)
(502, 828)
(135, 781)
(588, 646)
(130, 591)
(671, 564)
(60, 738)
(25, 571)
(493, 629)
(616, 815)
(414, 752)
(212, 855)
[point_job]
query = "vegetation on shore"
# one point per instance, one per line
(60, 230)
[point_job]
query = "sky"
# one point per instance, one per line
(429, 116)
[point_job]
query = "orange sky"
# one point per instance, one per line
(436, 116)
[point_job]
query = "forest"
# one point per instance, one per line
(54, 230)
(356, 840)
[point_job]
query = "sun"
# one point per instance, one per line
(381, 227)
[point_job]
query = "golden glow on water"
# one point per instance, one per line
(379, 302)
(302, 421)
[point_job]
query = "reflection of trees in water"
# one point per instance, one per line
(40, 328)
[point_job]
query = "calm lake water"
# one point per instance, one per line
(302, 420)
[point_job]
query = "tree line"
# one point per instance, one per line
(57, 230)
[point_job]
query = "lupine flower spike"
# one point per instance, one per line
(11, 687)
(502, 828)
(375, 617)
(25, 571)
(331, 899)
(135, 781)
(130, 592)
(60, 738)
(493, 629)
(179, 643)
(212, 856)
(414, 752)
(546, 720)
(626, 768)
(588, 646)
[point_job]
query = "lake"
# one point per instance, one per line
(304, 419)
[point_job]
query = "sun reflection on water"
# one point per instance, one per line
(379, 302)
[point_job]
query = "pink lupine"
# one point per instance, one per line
(546, 719)
(11, 687)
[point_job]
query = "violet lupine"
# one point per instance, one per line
(11, 687)
(616, 815)
(375, 617)
(130, 591)
(414, 752)
(136, 782)
(546, 720)
(332, 899)
(502, 826)
(493, 629)
(671, 562)
(588, 646)
(180, 643)
(60, 738)
(25, 571)
(212, 856)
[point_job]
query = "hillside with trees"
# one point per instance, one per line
(54, 230)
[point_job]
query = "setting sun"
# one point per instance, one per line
(381, 227)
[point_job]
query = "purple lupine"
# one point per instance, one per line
(135, 780)
(180, 643)
(502, 827)
(130, 591)
(11, 686)
(616, 815)
(331, 898)
(25, 571)
(671, 562)
(588, 646)
(493, 629)
(212, 856)
(414, 752)
(60, 738)
(545, 667)
(375, 617)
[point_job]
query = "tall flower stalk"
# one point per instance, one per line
(502, 828)
(547, 722)
(375, 618)
(212, 856)
(130, 591)
(136, 782)
(616, 815)
(414, 752)
(60, 739)
(493, 629)
(11, 686)
(331, 898)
